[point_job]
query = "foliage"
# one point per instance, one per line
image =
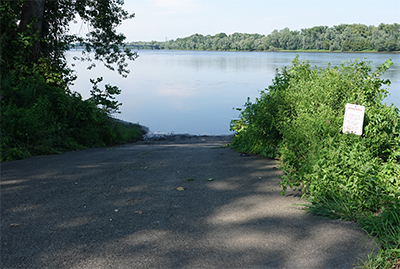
(343, 37)
(299, 120)
(44, 23)
(40, 119)
(39, 114)
(105, 99)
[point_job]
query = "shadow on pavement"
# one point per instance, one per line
(124, 207)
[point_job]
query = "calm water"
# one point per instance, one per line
(195, 91)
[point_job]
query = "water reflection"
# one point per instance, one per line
(195, 91)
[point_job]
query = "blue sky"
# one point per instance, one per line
(169, 19)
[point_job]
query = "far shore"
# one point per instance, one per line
(275, 50)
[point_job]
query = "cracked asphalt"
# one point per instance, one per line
(183, 202)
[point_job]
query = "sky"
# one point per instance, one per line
(162, 20)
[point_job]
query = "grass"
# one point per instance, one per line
(383, 226)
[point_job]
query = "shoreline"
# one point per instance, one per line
(299, 51)
(160, 136)
(178, 137)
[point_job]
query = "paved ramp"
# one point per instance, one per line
(185, 202)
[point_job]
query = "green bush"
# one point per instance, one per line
(299, 120)
(40, 118)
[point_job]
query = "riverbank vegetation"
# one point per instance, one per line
(39, 113)
(299, 119)
(343, 37)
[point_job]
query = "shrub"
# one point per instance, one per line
(299, 120)
(38, 118)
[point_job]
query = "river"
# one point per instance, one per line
(196, 92)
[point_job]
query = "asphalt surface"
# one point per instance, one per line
(153, 205)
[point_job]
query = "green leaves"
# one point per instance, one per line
(344, 176)
(344, 37)
(39, 113)
(105, 99)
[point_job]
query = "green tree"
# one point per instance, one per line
(274, 39)
(39, 30)
(284, 38)
(378, 40)
(39, 112)
(345, 37)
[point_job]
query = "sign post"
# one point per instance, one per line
(353, 119)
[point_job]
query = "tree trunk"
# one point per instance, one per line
(33, 11)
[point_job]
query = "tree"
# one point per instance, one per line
(33, 12)
(40, 28)
(344, 37)
(378, 40)
(39, 114)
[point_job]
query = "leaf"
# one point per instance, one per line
(190, 179)
(210, 179)
(180, 189)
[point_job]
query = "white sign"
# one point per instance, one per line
(353, 119)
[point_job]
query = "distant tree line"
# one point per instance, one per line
(343, 37)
